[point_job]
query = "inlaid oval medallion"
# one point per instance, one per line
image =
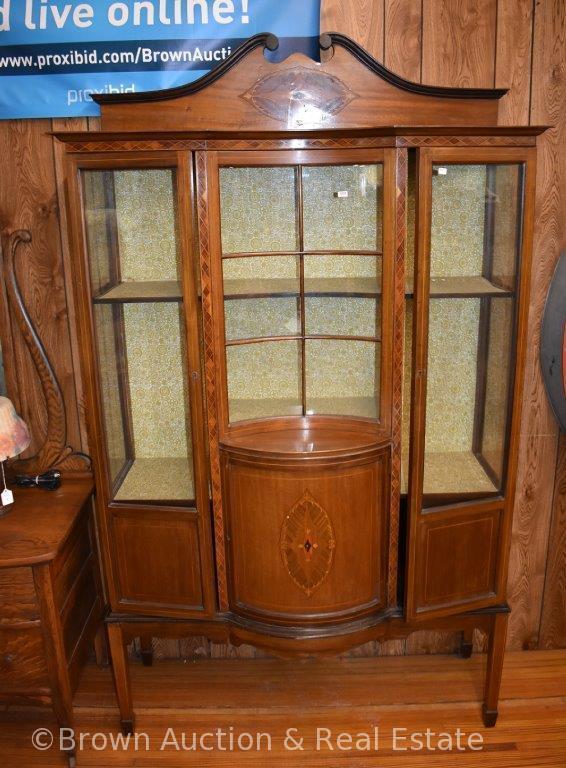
(307, 544)
(299, 96)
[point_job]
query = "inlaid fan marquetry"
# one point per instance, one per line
(307, 544)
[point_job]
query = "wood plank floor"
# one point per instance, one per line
(351, 696)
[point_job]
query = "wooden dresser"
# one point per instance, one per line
(51, 603)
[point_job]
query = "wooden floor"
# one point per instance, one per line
(352, 696)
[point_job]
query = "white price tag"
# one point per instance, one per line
(7, 497)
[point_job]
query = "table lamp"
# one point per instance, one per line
(14, 439)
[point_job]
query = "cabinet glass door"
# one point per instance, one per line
(476, 223)
(302, 278)
(133, 252)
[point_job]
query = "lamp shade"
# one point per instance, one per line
(14, 434)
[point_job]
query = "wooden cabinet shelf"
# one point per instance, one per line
(314, 286)
(141, 291)
(158, 479)
(354, 287)
(451, 472)
(440, 287)
(243, 410)
(464, 286)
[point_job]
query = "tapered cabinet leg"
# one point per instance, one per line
(146, 649)
(121, 672)
(495, 656)
(467, 644)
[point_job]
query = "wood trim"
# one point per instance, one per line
(495, 655)
(288, 643)
(485, 319)
(268, 41)
(401, 179)
(271, 43)
(300, 218)
(423, 207)
(481, 381)
(115, 274)
(274, 158)
(255, 139)
(391, 307)
(61, 694)
(528, 157)
(54, 453)
(332, 39)
(189, 249)
(204, 169)
(119, 326)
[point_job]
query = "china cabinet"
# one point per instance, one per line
(302, 293)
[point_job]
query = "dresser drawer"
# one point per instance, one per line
(22, 660)
(18, 601)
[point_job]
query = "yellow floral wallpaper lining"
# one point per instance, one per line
(146, 224)
(145, 215)
(335, 370)
(458, 212)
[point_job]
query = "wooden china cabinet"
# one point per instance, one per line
(302, 293)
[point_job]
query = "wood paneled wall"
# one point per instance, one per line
(519, 44)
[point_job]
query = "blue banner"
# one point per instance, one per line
(54, 54)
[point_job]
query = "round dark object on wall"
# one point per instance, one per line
(553, 343)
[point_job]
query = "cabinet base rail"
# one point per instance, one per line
(292, 643)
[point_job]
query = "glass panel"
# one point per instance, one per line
(131, 230)
(492, 428)
(475, 216)
(249, 318)
(145, 400)
(339, 291)
(342, 377)
(362, 270)
(467, 399)
(247, 284)
(410, 217)
(343, 207)
(408, 338)
(258, 209)
(406, 396)
(130, 218)
(343, 275)
(109, 322)
(342, 316)
(250, 275)
(264, 379)
(475, 241)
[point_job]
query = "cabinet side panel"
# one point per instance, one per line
(457, 561)
(158, 560)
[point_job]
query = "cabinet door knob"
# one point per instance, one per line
(8, 658)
